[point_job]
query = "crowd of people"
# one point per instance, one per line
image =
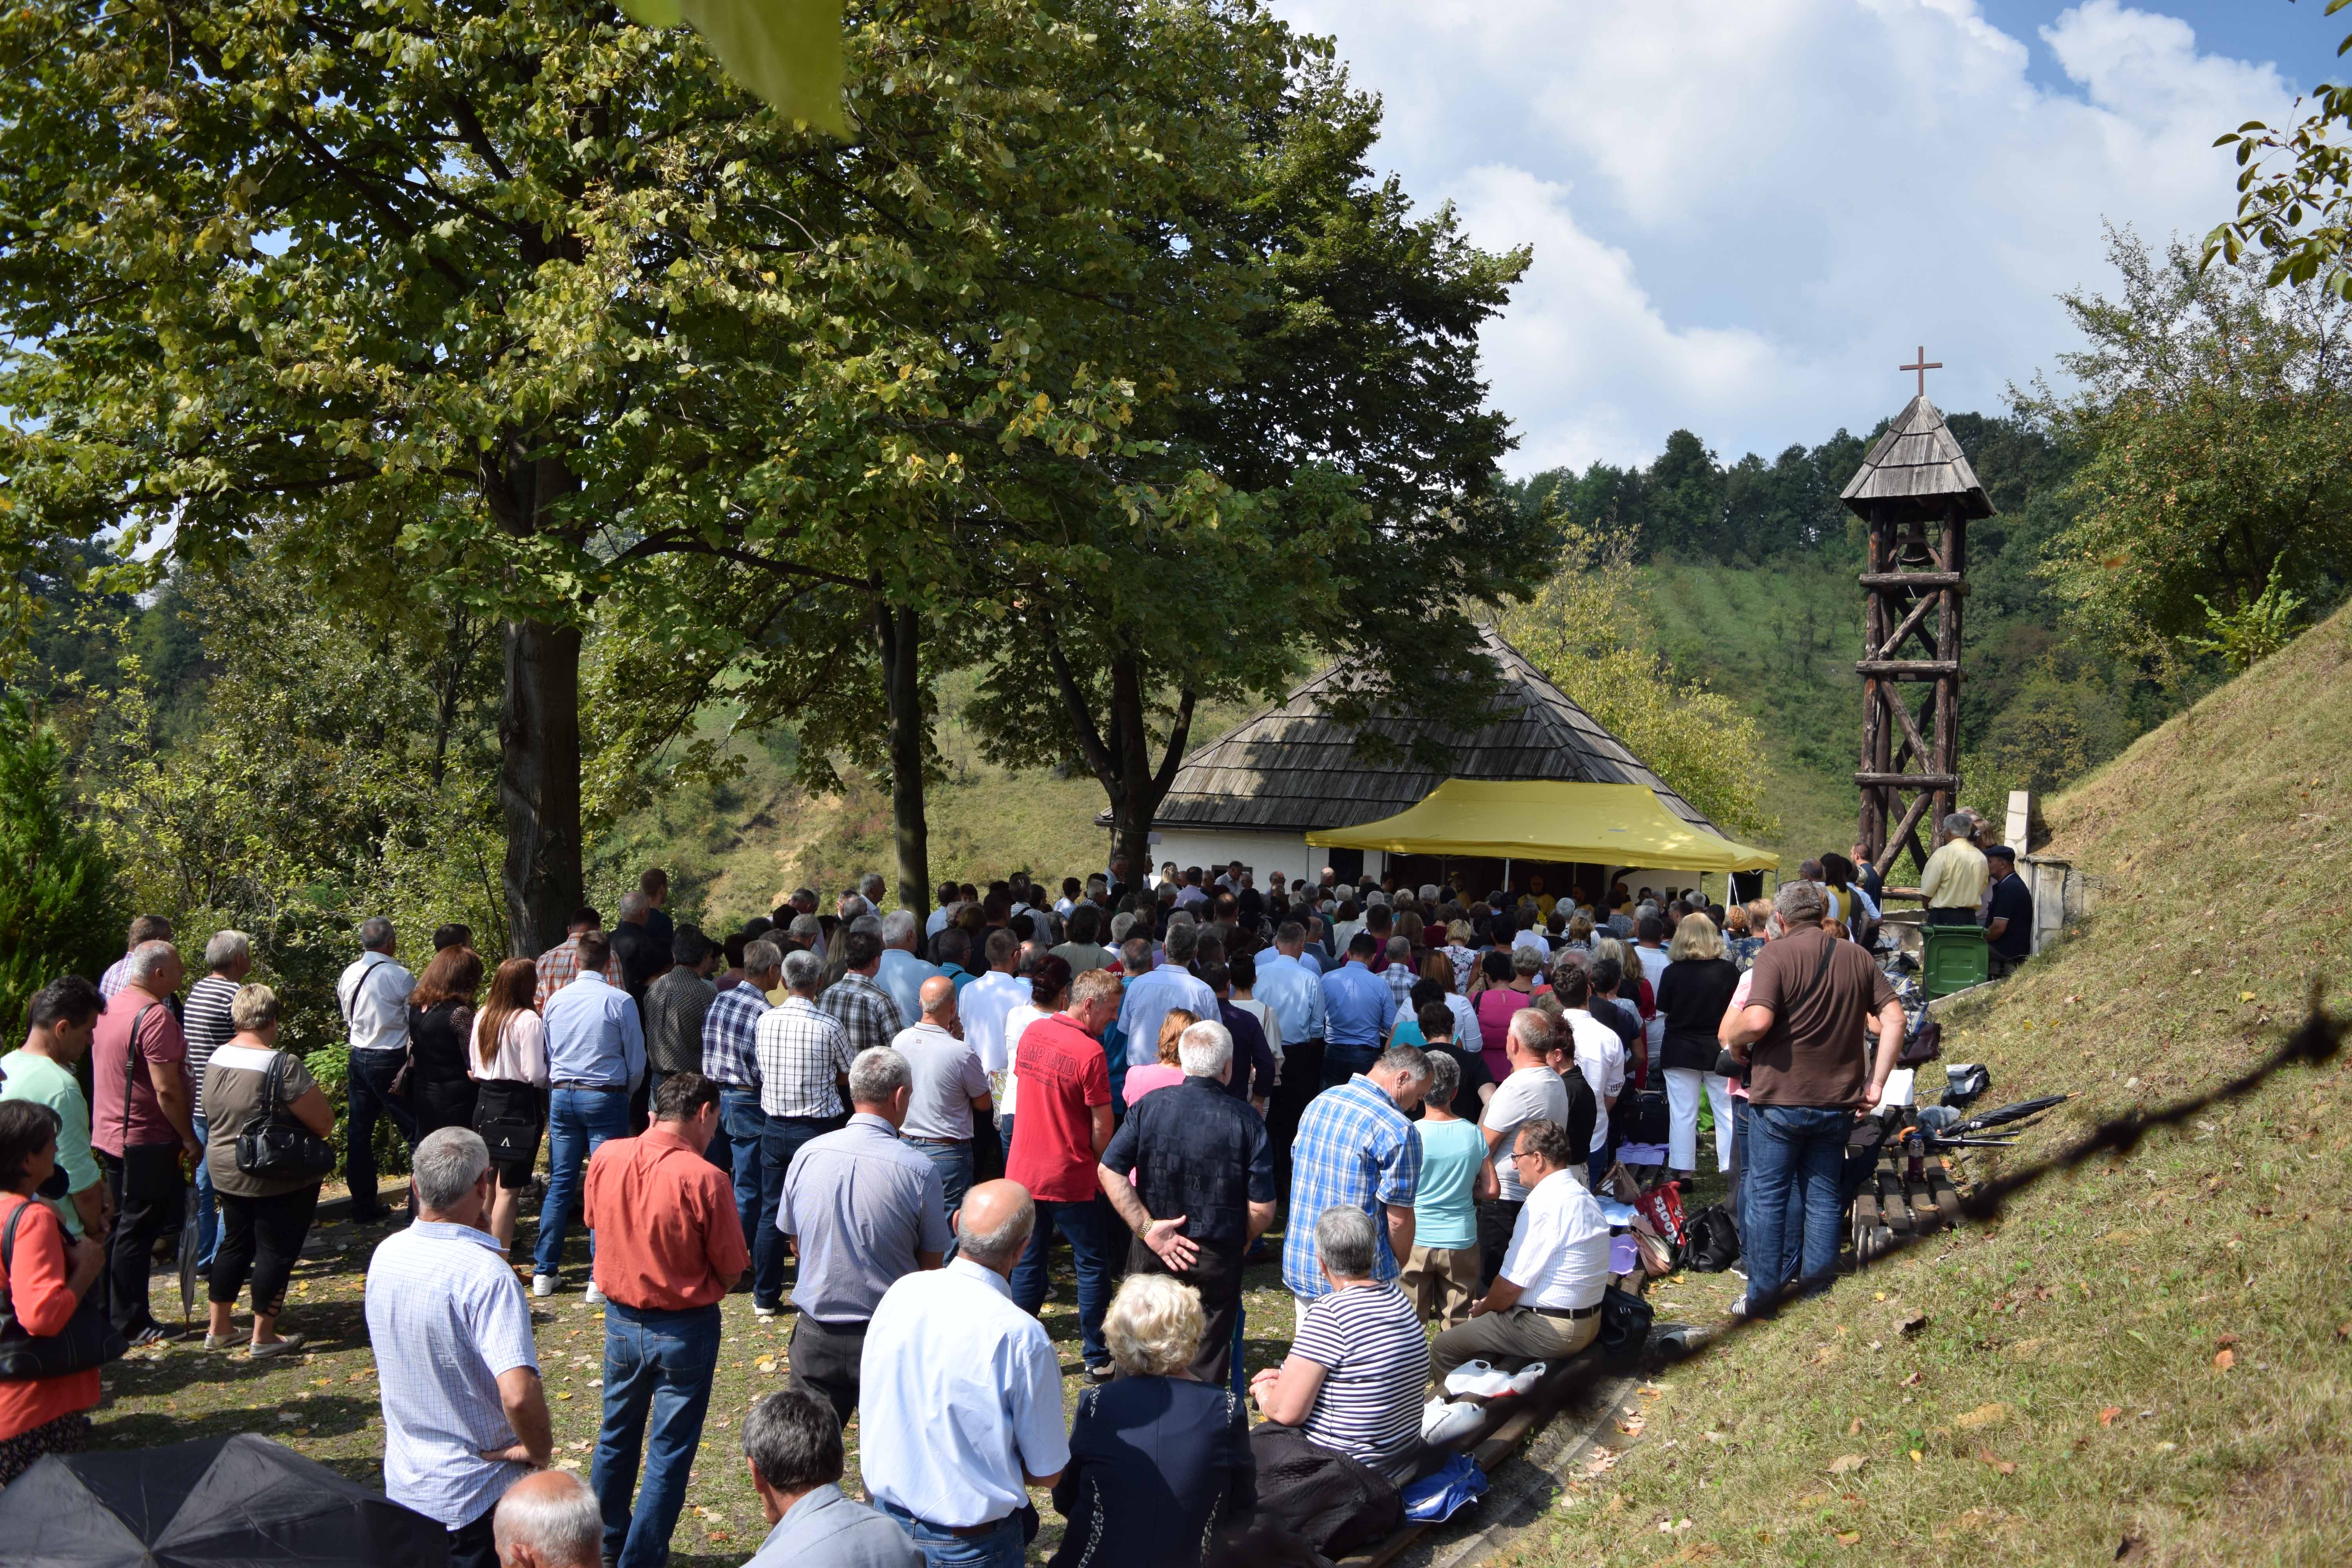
(886, 1123)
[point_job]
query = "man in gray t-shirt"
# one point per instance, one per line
(950, 1086)
(1533, 1092)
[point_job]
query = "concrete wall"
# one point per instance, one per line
(1263, 853)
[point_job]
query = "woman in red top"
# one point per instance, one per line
(44, 1280)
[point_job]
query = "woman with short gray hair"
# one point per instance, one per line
(1353, 1380)
(250, 1084)
(1153, 1438)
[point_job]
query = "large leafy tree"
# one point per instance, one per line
(1356, 513)
(2214, 414)
(527, 309)
(2294, 192)
(60, 901)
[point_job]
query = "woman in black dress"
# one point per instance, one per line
(1159, 1464)
(440, 1026)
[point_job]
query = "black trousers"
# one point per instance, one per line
(1302, 1080)
(1497, 1217)
(261, 1239)
(1216, 1274)
(473, 1545)
(440, 1104)
(825, 1359)
(149, 1202)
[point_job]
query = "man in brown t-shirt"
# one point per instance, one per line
(1811, 1070)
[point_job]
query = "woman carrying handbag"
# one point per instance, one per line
(267, 1152)
(509, 1061)
(50, 1348)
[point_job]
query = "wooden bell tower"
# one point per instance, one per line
(1917, 493)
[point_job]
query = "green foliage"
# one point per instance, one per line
(2214, 415)
(2253, 632)
(1586, 630)
(2298, 216)
(61, 907)
(1688, 505)
(786, 52)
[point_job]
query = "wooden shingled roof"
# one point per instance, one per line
(1918, 464)
(1291, 767)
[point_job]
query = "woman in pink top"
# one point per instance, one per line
(1169, 1069)
(1496, 1002)
(509, 1061)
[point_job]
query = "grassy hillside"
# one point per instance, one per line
(2068, 1398)
(1780, 640)
(734, 850)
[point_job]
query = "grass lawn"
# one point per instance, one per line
(322, 1402)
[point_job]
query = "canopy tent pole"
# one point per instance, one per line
(1507, 873)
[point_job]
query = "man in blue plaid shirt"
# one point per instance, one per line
(1399, 974)
(730, 1058)
(1356, 1148)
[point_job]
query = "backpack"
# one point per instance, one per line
(1713, 1244)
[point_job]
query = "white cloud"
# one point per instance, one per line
(1745, 212)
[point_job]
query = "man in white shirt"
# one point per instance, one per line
(373, 995)
(1600, 1057)
(1545, 1304)
(960, 1399)
(1532, 1092)
(950, 1088)
(464, 1414)
(987, 1000)
(1170, 984)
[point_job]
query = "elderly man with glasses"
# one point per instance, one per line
(1545, 1304)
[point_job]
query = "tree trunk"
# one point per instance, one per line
(900, 631)
(538, 720)
(1121, 761)
(538, 783)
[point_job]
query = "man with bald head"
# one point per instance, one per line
(549, 1520)
(959, 1407)
(950, 1086)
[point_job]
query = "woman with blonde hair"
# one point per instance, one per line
(508, 1064)
(1169, 1070)
(1693, 994)
(1158, 1462)
(265, 1216)
(1459, 953)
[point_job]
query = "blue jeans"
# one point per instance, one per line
(1341, 1063)
(657, 1365)
(953, 1161)
(578, 1122)
(1792, 1215)
(372, 1073)
(1078, 1223)
(208, 1206)
(1002, 1547)
(739, 1125)
(779, 1140)
(1797, 1155)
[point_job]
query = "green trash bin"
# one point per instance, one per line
(1953, 958)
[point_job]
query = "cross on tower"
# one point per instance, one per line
(1923, 367)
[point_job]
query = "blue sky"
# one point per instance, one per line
(1745, 214)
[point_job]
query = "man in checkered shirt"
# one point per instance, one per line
(1356, 1148)
(869, 1014)
(1399, 974)
(559, 966)
(730, 1032)
(804, 1055)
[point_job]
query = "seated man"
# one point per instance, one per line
(1545, 1304)
(1343, 1411)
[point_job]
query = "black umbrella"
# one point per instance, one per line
(212, 1503)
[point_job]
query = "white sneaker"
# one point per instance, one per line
(542, 1284)
(594, 1298)
(1524, 1381)
(767, 1314)
(1441, 1424)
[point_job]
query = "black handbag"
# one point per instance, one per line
(507, 1115)
(88, 1339)
(1625, 1320)
(277, 1147)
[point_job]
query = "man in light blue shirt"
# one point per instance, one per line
(595, 1058)
(1171, 985)
(959, 1407)
(1292, 989)
(1357, 1008)
(902, 973)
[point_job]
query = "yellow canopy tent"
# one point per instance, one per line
(1543, 819)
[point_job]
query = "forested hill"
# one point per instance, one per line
(1749, 567)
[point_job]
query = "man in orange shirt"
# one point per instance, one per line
(669, 1244)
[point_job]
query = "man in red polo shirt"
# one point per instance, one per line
(1061, 1130)
(669, 1244)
